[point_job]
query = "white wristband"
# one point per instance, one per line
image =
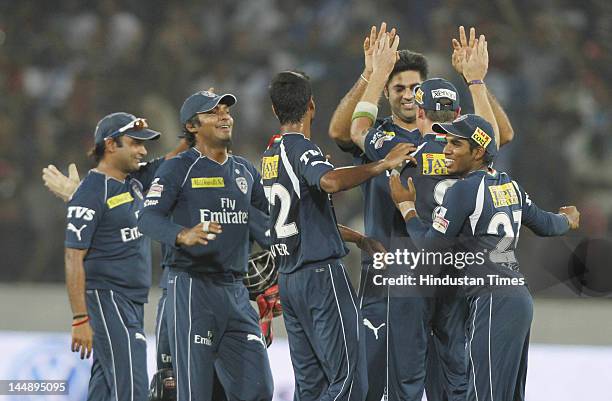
(406, 207)
(366, 109)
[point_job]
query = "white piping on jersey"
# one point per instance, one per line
(348, 363)
(294, 180)
(418, 148)
(518, 191)
(245, 167)
(475, 216)
(127, 332)
(490, 375)
(109, 343)
(105, 188)
(472, 339)
(190, 167)
(189, 344)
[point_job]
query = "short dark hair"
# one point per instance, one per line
(97, 152)
(290, 92)
(189, 136)
(410, 61)
(487, 159)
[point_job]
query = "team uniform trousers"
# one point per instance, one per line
(325, 333)
(498, 343)
(214, 329)
(119, 370)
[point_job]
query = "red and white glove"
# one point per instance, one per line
(269, 307)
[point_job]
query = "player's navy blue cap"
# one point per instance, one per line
(117, 124)
(470, 126)
(429, 94)
(203, 101)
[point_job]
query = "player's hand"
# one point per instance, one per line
(476, 62)
(82, 340)
(60, 185)
(368, 46)
(400, 193)
(199, 234)
(572, 214)
(398, 155)
(371, 246)
(462, 48)
(385, 54)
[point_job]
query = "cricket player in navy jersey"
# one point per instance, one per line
(108, 267)
(444, 379)
(381, 223)
(481, 215)
(319, 307)
(199, 206)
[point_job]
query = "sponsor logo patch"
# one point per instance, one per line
(481, 137)
(207, 182)
(443, 93)
(418, 96)
(503, 195)
(77, 231)
(433, 164)
(380, 137)
(439, 222)
(119, 200)
(269, 167)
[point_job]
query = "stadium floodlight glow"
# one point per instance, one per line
(137, 124)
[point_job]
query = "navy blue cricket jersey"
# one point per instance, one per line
(380, 222)
(191, 188)
(483, 212)
(102, 217)
(303, 224)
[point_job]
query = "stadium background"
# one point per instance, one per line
(65, 64)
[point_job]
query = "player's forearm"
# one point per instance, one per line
(350, 235)
(506, 132)
(341, 179)
(482, 107)
(361, 125)
(158, 227)
(75, 280)
(340, 125)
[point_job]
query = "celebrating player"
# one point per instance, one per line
(380, 223)
(108, 273)
(484, 211)
(321, 317)
(203, 194)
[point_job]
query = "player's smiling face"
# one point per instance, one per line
(216, 125)
(401, 99)
(130, 154)
(459, 159)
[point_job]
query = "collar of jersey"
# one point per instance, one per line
(295, 133)
(108, 177)
(201, 156)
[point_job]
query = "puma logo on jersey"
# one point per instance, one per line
(80, 212)
(260, 339)
(77, 231)
(369, 325)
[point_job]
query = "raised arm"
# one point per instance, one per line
(383, 61)
(340, 124)
(460, 47)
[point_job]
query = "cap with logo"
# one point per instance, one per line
(118, 124)
(203, 101)
(429, 94)
(470, 126)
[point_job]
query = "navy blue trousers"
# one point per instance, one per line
(498, 344)
(213, 329)
(325, 334)
(119, 370)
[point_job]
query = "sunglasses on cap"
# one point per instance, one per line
(137, 124)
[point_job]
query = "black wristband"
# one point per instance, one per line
(74, 317)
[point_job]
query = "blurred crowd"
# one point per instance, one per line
(65, 64)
